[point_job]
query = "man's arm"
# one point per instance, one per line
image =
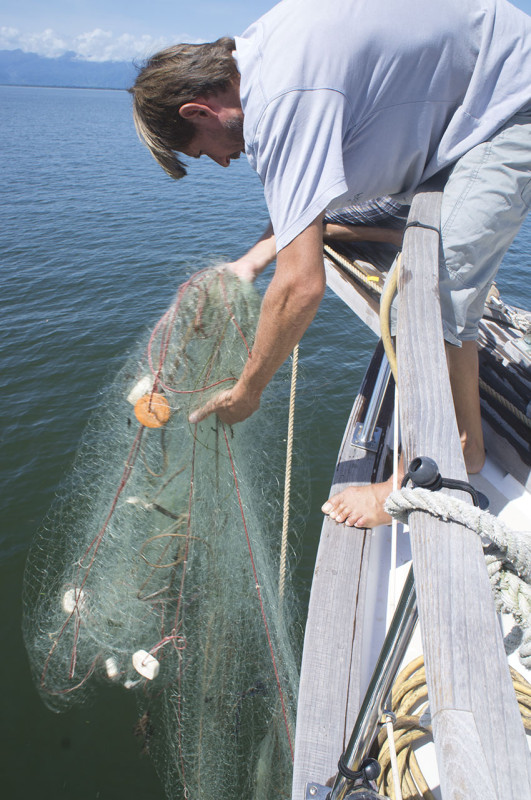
(261, 254)
(362, 233)
(289, 305)
(249, 266)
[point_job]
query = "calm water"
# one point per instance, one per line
(95, 239)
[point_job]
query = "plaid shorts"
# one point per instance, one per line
(384, 212)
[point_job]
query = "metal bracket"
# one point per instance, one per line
(366, 434)
(357, 438)
(314, 791)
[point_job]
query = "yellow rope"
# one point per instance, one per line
(387, 294)
(287, 480)
(410, 701)
(385, 311)
(355, 269)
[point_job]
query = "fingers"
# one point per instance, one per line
(242, 269)
(212, 407)
(231, 406)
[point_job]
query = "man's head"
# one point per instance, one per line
(186, 100)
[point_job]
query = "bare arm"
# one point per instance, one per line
(254, 262)
(249, 266)
(289, 305)
(362, 233)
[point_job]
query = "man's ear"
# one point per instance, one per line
(194, 111)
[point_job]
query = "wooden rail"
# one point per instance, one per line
(480, 742)
(329, 691)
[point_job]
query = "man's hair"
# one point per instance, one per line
(166, 82)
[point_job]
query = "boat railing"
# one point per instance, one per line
(481, 747)
(480, 743)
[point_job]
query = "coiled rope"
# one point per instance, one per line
(412, 728)
(508, 557)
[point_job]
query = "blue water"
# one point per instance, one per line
(94, 240)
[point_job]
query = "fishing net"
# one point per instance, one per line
(157, 568)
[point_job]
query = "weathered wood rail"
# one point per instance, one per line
(480, 742)
(329, 692)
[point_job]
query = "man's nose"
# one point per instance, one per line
(223, 161)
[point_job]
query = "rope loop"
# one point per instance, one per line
(508, 558)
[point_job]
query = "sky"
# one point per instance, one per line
(105, 30)
(110, 30)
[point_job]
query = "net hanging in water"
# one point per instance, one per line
(157, 568)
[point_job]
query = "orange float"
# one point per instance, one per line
(152, 410)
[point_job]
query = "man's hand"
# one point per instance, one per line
(250, 265)
(288, 307)
(245, 269)
(230, 406)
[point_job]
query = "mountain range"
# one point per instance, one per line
(29, 69)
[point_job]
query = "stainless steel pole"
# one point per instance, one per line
(393, 651)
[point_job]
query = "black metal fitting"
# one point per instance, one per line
(424, 472)
(369, 770)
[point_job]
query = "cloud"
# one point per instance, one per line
(96, 45)
(100, 45)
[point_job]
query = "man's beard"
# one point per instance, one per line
(234, 126)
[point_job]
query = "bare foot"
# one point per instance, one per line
(360, 506)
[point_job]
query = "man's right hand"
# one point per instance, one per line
(231, 406)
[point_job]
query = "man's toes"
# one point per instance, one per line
(339, 512)
(332, 506)
(342, 514)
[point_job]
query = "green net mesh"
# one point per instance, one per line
(157, 568)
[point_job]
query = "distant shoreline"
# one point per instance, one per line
(63, 86)
(18, 68)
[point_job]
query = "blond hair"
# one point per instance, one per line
(167, 81)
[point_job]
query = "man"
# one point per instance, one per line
(341, 102)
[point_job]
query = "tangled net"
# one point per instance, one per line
(157, 569)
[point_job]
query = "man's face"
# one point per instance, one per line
(219, 139)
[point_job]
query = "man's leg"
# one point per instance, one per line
(463, 369)
(485, 201)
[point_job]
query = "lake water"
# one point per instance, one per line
(95, 240)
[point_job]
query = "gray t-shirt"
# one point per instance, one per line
(347, 100)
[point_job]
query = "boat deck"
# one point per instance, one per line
(354, 591)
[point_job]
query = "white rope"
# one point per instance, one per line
(287, 479)
(508, 558)
(389, 727)
(391, 599)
